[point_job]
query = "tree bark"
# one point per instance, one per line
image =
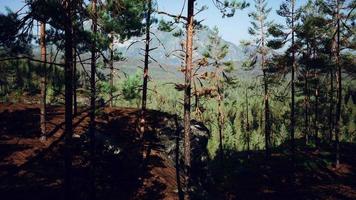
(339, 87)
(266, 113)
(187, 89)
(68, 98)
(292, 116)
(316, 128)
(43, 79)
(265, 82)
(220, 114)
(145, 70)
(331, 106)
(247, 126)
(75, 82)
(111, 63)
(306, 106)
(92, 102)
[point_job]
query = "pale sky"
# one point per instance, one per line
(231, 29)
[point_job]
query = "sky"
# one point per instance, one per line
(232, 29)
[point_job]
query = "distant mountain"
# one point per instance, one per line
(133, 51)
(133, 48)
(169, 65)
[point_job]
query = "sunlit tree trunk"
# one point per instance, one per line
(187, 89)
(188, 79)
(43, 79)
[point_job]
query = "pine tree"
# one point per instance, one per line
(68, 76)
(43, 79)
(93, 97)
(311, 39)
(146, 63)
(341, 13)
(286, 35)
(259, 28)
(219, 79)
(227, 8)
(187, 83)
(120, 20)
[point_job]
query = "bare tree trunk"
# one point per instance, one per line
(187, 90)
(43, 80)
(247, 127)
(68, 99)
(306, 106)
(266, 113)
(196, 97)
(339, 87)
(145, 70)
(75, 82)
(331, 106)
(292, 117)
(111, 63)
(92, 104)
(316, 128)
(265, 82)
(188, 76)
(220, 121)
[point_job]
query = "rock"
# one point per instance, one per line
(172, 142)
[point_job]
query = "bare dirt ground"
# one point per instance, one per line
(31, 168)
(34, 169)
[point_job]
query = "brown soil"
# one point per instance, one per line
(31, 168)
(34, 169)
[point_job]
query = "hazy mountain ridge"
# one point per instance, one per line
(133, 51)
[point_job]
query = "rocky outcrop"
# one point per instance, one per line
(164, 134)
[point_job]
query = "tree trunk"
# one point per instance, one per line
(266, 113)
(145, 70)
(247, 127)
(196, 97)
(316, 128)
(265, 82)
(111, 63)
(331, 107)
(68, 75)
(75, 82)
(187, 90)
(220, 118)
(92, 103)
(339, 87)
(43, 79)
(306, 106)
(292, 116)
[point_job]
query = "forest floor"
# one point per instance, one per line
(34, 169)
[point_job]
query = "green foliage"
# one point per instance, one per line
(122, 17)
(130, 87)
(12, 40)
(166, 26)
(229, 7)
